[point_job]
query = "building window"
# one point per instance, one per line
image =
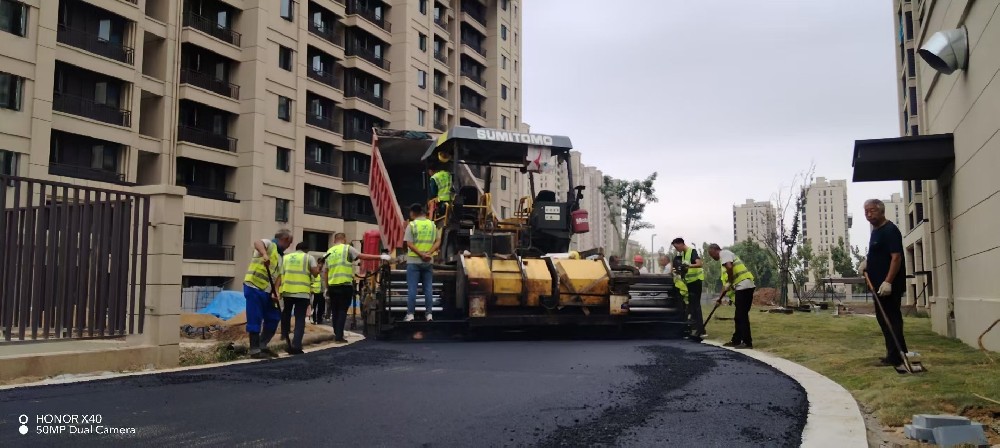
(14, 17)
(285, 57)
(422, 42)
(503, 5)
(281, 207)
(503, 122)
(284, 159)
(515, 93)
(421, 79)
(503, 183)
(10, 91)
(914, 130)
(8, 163)
(288, 10)
(515, 66)
(503, 91)
(423, 7)
(503, 212)
(421, 117)
(284, 108)
(503, 32)
(503, 62)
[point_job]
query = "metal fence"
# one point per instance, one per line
(72, 261)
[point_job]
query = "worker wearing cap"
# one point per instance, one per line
(640, 264)
(339, 276)
(319, 302)
(440, 189)
(422, 241)
(297, 271)
(694, 277)
(262, 300)
(738, 283)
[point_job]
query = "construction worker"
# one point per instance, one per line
(440, 189)
(422, 240)
(614, 262)
(664, 263)
(640, 264)
(694, 278)
(260, 287)
(339, 276)
(297, 271)
(319, 302)
(884, 266)
(737, 282)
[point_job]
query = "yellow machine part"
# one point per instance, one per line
(510, 280)
(583, 282)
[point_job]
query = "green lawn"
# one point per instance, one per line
(846, 349)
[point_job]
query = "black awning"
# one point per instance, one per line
(922, 157)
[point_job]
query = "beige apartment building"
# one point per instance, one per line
(948, 157)
(895, 209)
(754, 221)
(261, 109)
(826, 218)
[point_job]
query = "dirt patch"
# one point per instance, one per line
(765, 297)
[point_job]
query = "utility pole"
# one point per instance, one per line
(652, 250)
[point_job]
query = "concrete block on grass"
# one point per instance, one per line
(919, 433)
(936, 421)
(957, 435)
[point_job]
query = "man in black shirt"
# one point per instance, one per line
(884, 265)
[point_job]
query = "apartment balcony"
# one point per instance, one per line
(213, 252)
(327, 168)
(442, 23)
(441, 91)
(354, 7)
(477, 109)
(368, 55)
(327, 122)
(206, 138)
(320, 210)
(440, 125)
(210, 83)
(210, 193)
(92, 43)
(212, 28)
(475, 10)
(327, 33)
(475, 77)
(357, 176)
(86, 172)
(360, 217)
(88, 108)
(368, 96)
(475, 45)
(441, 55)
(361, 135)
(324, 77)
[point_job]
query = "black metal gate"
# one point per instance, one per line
(72, 260)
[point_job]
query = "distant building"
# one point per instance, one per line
(755, 221)
(826, 219)
(895, 209)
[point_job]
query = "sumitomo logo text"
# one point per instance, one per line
(515, 137)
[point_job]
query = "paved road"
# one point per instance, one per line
(548, 393)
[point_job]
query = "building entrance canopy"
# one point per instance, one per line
(922, 157)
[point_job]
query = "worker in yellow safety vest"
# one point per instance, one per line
(421, 238)
(319, 302)
(339, 277)
(689, 264)
(260, 288)
(440, 190)
(297, 271)
(738, 283)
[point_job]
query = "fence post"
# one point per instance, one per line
(165, 256)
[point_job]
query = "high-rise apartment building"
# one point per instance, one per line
(262, 109)
(895, 209)
(754, 221)
(826, 219)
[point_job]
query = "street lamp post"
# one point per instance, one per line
(652, 250)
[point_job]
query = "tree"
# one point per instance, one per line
(713, 271)
(841, 258)
(820, 266)
(781, 239)
(627, 202)
(800, 266)
(760, 263)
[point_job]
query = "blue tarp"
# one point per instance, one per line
(226, 305)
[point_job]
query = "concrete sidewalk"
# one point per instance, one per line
(834, 417)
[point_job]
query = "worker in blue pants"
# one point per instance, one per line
(260, 287)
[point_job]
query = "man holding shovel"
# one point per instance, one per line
(884, 268)
(260, 287)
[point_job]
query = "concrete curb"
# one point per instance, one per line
(351, 339)
(834, 418)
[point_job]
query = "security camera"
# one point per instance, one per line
(947, 51)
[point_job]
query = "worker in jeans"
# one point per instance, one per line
(340, 280)
(738, 283)
(262, 300)
(422, 240)
(297, 271)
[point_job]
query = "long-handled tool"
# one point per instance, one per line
(274, 291)
(907, 367)
(717, 303)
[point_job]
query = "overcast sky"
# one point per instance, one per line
(726, 99)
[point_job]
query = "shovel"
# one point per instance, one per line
(907, 366)
(717, 303)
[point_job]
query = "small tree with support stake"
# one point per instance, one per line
(626, 215)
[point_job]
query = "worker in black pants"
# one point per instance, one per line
(884, 266)
(340, 280)
(738, 283)
(318, 302)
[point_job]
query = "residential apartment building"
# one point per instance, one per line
(262, 109)
(602, 232)
(826, 219)
(948, 170)
(895, 209)
(754, 221)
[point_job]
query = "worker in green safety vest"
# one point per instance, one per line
(738, 283)
(263, 274)
(319, 302)
(440, 190)
(689, 264)
(422, 240)
(339, 277)
(297, 271)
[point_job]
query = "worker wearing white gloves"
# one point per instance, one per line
(339, 276)
(884, 266)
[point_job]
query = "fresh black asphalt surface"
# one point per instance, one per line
(530, 393)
